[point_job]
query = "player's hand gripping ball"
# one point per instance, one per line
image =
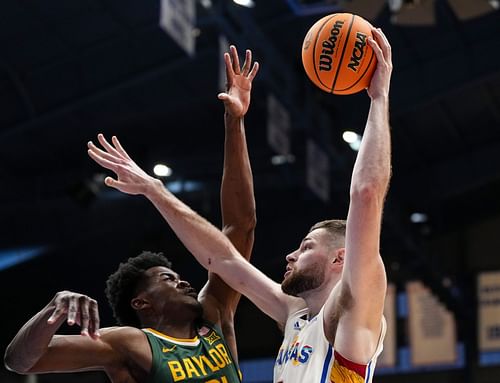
(336, 55)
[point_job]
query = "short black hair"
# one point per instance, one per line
(121, 285)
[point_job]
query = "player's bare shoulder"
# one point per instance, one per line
(135, 354)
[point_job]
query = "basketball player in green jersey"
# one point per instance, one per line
(168, 332)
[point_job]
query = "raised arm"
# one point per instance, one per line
(363, 279)
(237, 197)
(209, 246)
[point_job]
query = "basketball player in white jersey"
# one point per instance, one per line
(330, 303)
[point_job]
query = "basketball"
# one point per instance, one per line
(336, 55)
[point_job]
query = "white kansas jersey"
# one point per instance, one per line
(306, 356)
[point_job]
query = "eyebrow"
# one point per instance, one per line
(305, 240)
(177, 276)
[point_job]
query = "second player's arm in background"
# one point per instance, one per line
(237, 195)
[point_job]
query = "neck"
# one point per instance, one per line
(178, 329)
(316, 299)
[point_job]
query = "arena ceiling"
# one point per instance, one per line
(71, 69)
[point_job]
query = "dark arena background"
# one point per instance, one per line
(149, 72)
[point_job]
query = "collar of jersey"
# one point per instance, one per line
(180, 341)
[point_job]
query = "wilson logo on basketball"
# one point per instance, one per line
(358, 51)
(325, 59)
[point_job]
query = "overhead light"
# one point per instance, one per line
(11, 257)
(162, 170)
(353, 139)
(419, 218)
(245, 3)
(350, 137)
(281, 159)
(177, 187)
(206, 3)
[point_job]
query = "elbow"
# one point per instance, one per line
(249, 221)
(368, 192)
(245, 224)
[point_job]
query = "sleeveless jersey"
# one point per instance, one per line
(203, 359)
(307, 356)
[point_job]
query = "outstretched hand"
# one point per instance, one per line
(130, 178)
(79, 309)
(239, 82)
(381, 78)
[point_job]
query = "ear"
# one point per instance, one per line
(339, 256)
(139, 303)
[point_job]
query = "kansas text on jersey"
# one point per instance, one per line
(307, 356)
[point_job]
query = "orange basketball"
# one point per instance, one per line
(336, 54)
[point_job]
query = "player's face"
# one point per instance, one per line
(165, 287)
(306, 266)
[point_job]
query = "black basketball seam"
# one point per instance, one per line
(346, 40)
(314, 50)
(360, 77)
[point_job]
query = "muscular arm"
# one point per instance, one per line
(36, 348)
(206, 243)
(238, 219)
(237, 197)
(363, 278)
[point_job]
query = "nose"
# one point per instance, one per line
(292, 257)
(183, 285)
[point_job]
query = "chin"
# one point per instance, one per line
(197, 307)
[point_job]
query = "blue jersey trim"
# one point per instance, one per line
(328, 359)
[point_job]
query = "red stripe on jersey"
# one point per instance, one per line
(360, 369)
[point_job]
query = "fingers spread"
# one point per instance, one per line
(254, 71)
(109, 148)
(229, 69)
(101, 153)
(247, 63)
(119, 147)
(102, 161)
(235, 59)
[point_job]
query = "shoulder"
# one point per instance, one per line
(123, 338)
(131, 343)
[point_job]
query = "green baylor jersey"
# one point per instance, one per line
(203, 359)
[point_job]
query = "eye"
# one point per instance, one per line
(168, 277)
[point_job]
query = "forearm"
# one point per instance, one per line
(237, 194)
(205, 242)
(32, 341)
(372, 169)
